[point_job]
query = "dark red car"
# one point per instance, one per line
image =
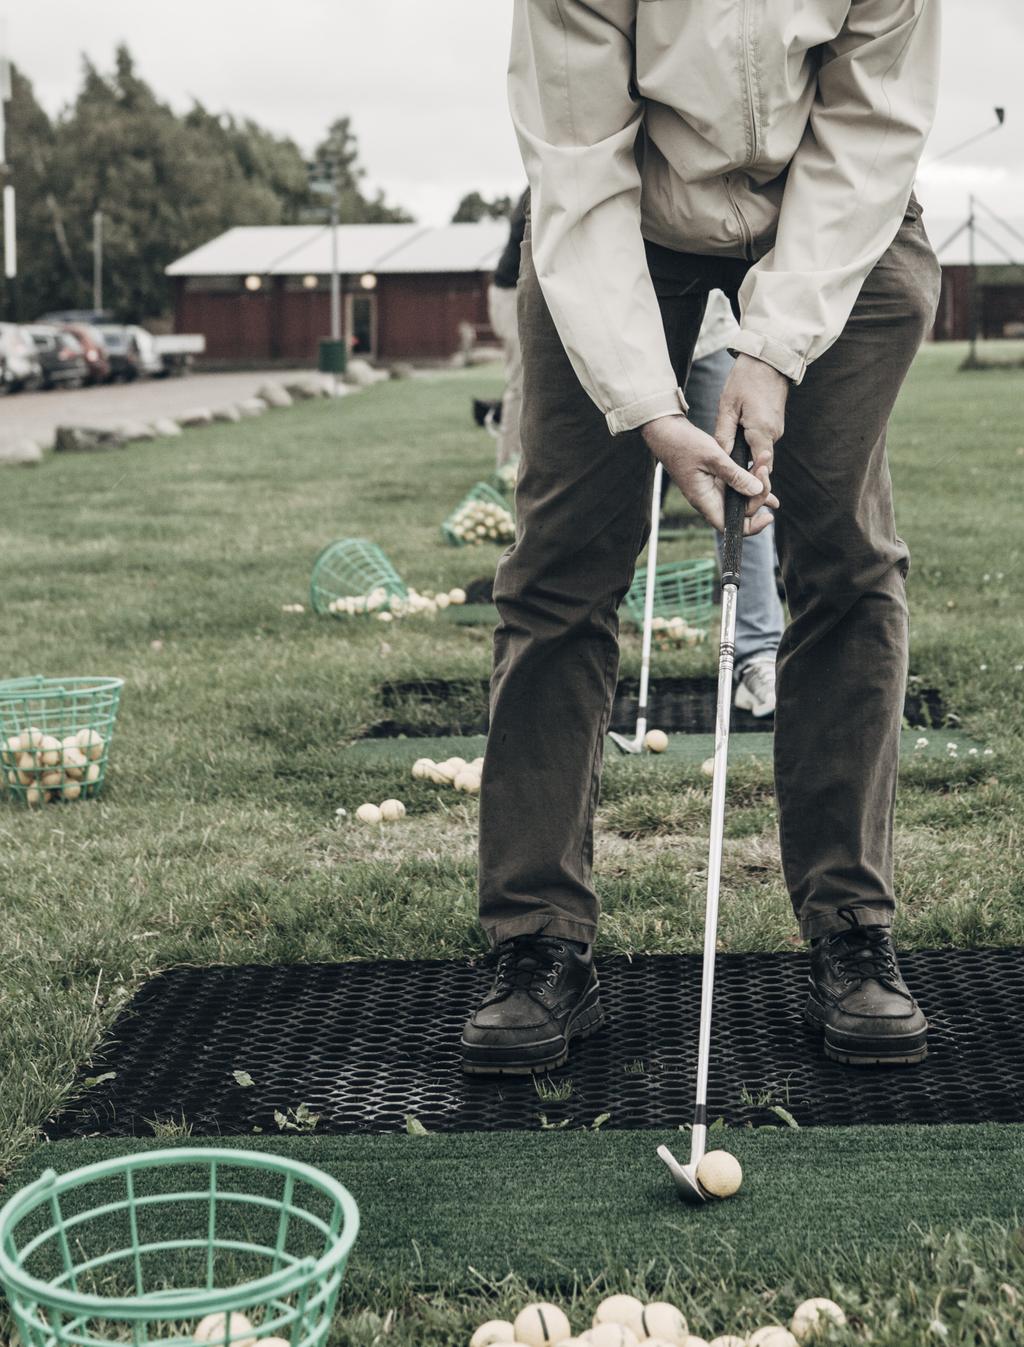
(92, 343)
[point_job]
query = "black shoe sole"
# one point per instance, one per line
(534, 1058)
(862, 1050)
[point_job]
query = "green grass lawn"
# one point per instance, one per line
(216, 839)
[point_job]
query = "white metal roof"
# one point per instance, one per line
(298, 250)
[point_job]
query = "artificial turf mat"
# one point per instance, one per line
(693, 748)
(452, 1210)
(366, 1044)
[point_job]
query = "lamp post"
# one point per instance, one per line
(324, 181)
(9, 202)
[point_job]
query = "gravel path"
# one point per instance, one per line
(36, 416)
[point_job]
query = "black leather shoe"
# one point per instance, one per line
(543, 996)
(859, 998)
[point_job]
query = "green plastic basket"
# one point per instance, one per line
(504, 479)
(42, 723)
(142, 1248)
(352, 568)
(484, 495)
(681, 589)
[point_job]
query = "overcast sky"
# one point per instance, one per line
(424, 83)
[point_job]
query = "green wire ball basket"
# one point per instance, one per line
(479, 500)
(352, 568)
(55, 736)
(172, 1246)
(681, 589)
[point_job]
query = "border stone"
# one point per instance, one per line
(275, 396)
(21, 454)
(85, 439)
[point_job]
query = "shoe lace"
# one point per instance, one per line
(865, 952)
(760, 678)
(526, 963)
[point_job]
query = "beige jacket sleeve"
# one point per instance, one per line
(576, 118)
(848, 184)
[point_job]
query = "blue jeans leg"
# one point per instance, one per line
(759, 616)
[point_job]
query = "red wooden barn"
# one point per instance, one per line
(263, 293)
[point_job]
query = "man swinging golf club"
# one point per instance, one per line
(674, 147)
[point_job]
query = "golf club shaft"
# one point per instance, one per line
(735, 506)
(652, 562)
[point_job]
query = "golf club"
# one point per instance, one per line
(636, 744)
(732, 549)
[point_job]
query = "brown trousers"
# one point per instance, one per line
(583, 514)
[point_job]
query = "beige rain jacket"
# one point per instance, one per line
(784, 131)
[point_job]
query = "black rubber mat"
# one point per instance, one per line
(686, 705)
(367, 1045)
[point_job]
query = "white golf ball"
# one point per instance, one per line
(541, 1325)
(708, 767)
(659, 1320)
(392, 810)
(720, 1174)
(219, 1327)
(814, 1314)
(419, 771)
(656, 741)
(50, 751)
(456, 596)
(611, 1334)
(91, 744)
(494, 1330)
(618, 1310)
(92, 774)
(368, 813)
(772, 1335)
(468, 781)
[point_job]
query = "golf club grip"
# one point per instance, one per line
(735, 507)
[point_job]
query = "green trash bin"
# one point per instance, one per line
(333, 356)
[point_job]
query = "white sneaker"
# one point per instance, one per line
(755, 691)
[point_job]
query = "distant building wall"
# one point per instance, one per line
(1000, 300)
(417, 316)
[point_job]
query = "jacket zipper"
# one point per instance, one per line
(748, 242)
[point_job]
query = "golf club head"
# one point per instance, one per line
(685, 1177)
(625, 744)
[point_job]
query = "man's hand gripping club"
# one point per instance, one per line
(754, 397)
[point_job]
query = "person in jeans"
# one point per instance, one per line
(759, 616)
(501, 310)
(672, 149)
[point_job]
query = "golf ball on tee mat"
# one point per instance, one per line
(541, 1325)
(719, 1174)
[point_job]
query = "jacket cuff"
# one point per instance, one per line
(787, 362)
(633, 414)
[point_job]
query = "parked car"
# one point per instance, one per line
(122, 352)
(95, 350)
(150, 359)
(61, 356)
(19, 364)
